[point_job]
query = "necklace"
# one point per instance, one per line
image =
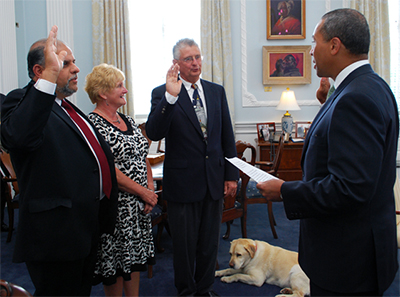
(117, 121)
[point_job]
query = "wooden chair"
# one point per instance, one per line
(160, 144)
(11, 191)
(233, 210)
(249, 193)
(236, 207)
(274, 165)
(9, 289)
(273, 169)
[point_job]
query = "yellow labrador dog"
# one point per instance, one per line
(254, 262)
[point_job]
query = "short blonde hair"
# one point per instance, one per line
(103, 78)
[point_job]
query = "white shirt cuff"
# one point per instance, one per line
(45, 86)
(170, 99)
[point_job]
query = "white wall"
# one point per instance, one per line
(256, 32)
(32, 20)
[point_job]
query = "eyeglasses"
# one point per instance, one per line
(190, 59)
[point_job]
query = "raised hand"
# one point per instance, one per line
(322, 92)
(173, 85)
(53, 61)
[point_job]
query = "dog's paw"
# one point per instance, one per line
(286, 291)
(227, 279)
(218, 273)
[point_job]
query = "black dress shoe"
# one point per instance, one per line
(4, 227)
(209, 293)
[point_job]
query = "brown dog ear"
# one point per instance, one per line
(251, 249)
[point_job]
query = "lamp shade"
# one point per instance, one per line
(288, 101)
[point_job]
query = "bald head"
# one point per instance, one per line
(36, 55)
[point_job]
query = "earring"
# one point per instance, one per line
(107, 103)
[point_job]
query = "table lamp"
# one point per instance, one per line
(287, 102)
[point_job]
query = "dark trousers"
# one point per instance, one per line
(318, 291)
(63, 278)
(195, 229)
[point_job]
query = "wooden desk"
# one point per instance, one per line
(289, 168)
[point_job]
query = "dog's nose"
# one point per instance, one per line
(230, 264)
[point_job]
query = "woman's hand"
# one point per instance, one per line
(149, 197)
(147, 208)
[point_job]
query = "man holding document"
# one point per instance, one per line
(345, 202)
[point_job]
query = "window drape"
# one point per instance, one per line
(111, 41)
(377, 14)
(216, 47)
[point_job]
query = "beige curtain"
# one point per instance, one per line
(216, 47)
(377, 15)
(111, 42)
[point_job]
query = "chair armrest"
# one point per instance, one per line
(9, 179)
(264, 163)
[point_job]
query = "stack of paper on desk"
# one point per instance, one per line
(253, 172)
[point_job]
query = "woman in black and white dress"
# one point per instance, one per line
(123, 255)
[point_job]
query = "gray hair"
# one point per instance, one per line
(176, 51)
(350, 26)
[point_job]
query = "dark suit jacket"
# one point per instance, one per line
(58, 176)
(345, 201)
(191, 166)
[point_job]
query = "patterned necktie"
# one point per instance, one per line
(105, 168)
(331, 90)
(199, 109)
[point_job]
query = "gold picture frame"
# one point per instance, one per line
(293, 26)
(286, 65)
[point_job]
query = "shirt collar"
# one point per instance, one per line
(346, 71)
(188, 85)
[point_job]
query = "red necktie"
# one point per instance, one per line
(105, 168)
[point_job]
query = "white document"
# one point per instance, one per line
(253, 172)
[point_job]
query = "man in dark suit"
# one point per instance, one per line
(62, 205)
(198, 136)
(345, 201)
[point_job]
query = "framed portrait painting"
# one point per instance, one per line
(302, 129)
(286, 65)
(265, 131)
(286, 19)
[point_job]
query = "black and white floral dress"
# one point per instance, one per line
(131, 246)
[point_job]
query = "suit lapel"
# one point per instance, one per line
(359, 71)
(57, 109)
(210, 105)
